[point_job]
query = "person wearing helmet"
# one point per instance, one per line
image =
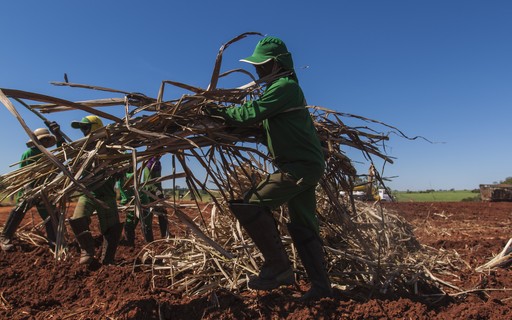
(103, 191)
(31, 155)
(293, 143)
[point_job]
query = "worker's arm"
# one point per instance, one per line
(278, 97)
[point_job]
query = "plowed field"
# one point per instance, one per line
(34, 286)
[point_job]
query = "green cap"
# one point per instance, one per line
(270, 48)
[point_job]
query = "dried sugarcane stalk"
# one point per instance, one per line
(366, 245)
(502, 259)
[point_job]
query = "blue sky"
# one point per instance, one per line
(437, 69)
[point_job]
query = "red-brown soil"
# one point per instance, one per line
(34, 286)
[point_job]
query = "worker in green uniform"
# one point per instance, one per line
(297, 154)
(131, 221)
(126, 195)
(108, 217)
(151, 170)
(31, 155)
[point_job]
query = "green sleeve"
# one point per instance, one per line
(278, 97)
(28, 157)
(146, 176)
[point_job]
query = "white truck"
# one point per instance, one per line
(384, 196)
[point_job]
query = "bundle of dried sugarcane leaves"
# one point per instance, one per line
(366, 246)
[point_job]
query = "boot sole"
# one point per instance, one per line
(315, 295)
(284, 279)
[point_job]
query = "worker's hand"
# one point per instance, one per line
(54, 127)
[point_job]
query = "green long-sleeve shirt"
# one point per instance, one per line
(147, 174)
(30, 155)
(290, 132)
(126, 194)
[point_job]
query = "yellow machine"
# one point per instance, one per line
(369, 190)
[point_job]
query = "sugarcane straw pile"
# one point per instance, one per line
(366, 246)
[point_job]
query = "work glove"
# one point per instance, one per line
(54, 128)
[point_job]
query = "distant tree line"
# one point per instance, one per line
(440, 190)
(508, 180)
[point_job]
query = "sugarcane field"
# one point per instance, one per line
(154, 253)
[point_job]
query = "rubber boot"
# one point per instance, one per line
(49, 224)
(10, 227)
(163, 223)
(311, 252)
(50, 234)
(147, 232)
(129, 232)
(84, 238)
(110, 242)
(147, 226)
(261, 227)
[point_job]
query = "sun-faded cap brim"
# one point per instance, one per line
(43, 133)
(257, 60)
(80, 124)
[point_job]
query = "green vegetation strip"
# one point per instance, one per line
(437, 196)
